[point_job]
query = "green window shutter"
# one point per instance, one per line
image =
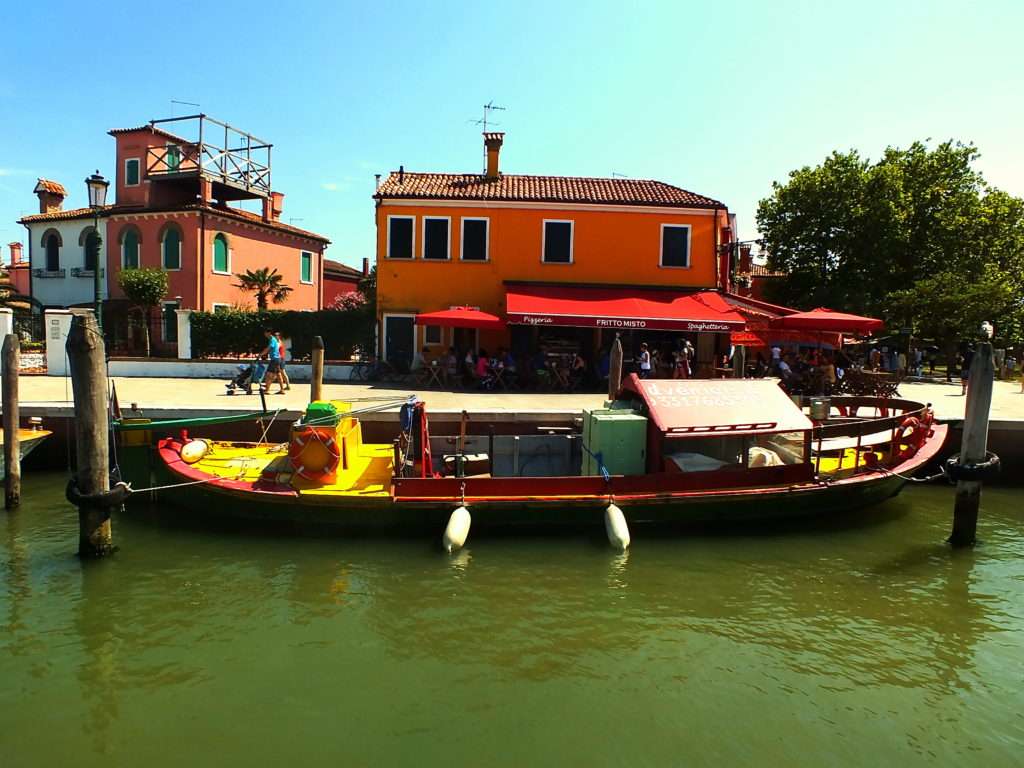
(172, 249)
(132, 172)
(220, 254)
(173, 157)
(306, 267)
(131, 250)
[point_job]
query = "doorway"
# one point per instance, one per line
(399, 339)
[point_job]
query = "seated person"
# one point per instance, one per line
(577, 370)
(420, 360)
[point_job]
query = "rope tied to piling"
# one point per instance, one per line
(115, 497)
(978, 471)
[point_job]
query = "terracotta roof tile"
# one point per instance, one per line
(258, 219)
(546, 189)
(336, 267)
(53, 187)
(71, 213)
(151, 129)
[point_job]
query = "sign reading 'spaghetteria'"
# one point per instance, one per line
(627, 323)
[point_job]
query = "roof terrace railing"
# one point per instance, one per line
(200, 145)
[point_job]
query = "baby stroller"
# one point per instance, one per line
(248, 374)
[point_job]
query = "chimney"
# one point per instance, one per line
(401, 174)
(493, 142)
(273, 206)
(15, 253)
(51, 195)
(366, 266)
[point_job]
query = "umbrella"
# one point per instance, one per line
(822, 319)
(461, 317)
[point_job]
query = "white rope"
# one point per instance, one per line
(174, 485)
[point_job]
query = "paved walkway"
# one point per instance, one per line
(208, 394)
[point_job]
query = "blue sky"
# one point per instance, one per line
(718, 97)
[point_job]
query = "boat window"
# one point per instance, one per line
(776, 449)
(704, 454)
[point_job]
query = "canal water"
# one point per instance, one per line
(865, 641)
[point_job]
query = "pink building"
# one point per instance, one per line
(341, 280)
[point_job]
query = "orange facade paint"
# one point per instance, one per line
(202, 287)
(611, 245)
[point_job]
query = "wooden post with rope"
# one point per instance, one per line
(12, 447)
(316, 378)
(615, 368)
(87, 359)
(974, 446)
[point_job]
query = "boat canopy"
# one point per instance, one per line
(620, 308)
(686, 407)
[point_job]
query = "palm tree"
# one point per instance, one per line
(265, 283)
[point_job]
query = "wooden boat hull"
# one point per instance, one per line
(413, 513)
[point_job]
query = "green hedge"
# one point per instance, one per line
(227, 333)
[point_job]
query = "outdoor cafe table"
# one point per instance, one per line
(430, 375)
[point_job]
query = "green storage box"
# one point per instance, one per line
(620, 437)
(321, 413)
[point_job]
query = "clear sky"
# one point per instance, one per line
(717, 97)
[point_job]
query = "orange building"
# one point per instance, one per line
(177, 194)
(564, 260)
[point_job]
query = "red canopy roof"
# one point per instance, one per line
(461, 317)
(822, 319)
(717, 406)
(621, 308)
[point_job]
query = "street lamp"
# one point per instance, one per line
(97, 187)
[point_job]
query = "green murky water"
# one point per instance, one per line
(858, 643)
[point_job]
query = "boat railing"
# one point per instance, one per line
(890, 415)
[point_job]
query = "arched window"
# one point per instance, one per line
(52, 243)
(220, 254)
(130, 247)
(171, 247)
(91, 250)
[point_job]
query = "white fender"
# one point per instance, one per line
(457, 531)
(194, 450)
(616, 528)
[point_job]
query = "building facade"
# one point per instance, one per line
(341, 280)
(177, 207)
(506, 244)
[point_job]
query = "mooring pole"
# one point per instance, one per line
(12, 419)
(316, 379)
(87, 358)
(615, 368)
(974, 447)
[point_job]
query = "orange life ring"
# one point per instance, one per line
(907, 440)
(314, 455)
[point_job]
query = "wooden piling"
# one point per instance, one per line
(974, 446)
(316, 380)
(87, 359)
(615, 368)
(12, 420)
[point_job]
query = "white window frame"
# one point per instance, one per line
(423, 238)
(219, 305)
(544, 239)
(487, 240)
(138, 161)
(124, 259)
(311, 281)
(387, 236)
(440, 336)
(661, 246)
(163, 256)
(384, 329)
(213, 260)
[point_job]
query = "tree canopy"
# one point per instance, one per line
(145, 288)
(897, 238)
(268, 285)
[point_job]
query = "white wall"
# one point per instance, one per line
(68, 290)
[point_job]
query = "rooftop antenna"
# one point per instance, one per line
(486, 120)
(184, 103)
(617, 175)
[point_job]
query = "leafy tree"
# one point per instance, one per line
(266, 283)
(146, 288)
(850, 232)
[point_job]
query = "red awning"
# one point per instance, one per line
(822, 319)
(461, 317)
(621, 309)
(717, 406)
